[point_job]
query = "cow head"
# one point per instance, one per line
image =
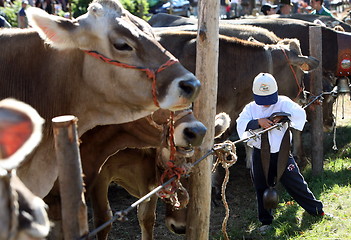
(176, 218)
(290, 65)
(188, 133)
(140, 175)
(134, 57)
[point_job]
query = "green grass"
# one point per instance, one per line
(332, 187)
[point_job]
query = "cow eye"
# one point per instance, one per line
(122, 47)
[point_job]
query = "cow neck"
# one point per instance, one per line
(151, 73)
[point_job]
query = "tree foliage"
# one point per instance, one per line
(139, 8)
(10, 12)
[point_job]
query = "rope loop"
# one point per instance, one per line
(170, 172)
(180, 198)
(226, 154)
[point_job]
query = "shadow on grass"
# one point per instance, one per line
(327, 180)
(289, 222)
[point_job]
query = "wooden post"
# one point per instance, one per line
(70, 9)
(315, 39)
(199, 207)
(74, 210)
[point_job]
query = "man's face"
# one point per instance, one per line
(315, 3)
(271, 11)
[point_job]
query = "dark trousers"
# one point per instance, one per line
(292, 180)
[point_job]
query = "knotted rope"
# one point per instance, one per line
(226, 155)
(172, 191)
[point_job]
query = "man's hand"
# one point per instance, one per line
(265, 122)
(277, 119)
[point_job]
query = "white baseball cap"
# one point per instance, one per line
(265, 89)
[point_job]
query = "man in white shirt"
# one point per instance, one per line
(272, 160)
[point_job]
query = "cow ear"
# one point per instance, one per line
(222, 123)
(142, 25)
(55, 30)
(305, 63)
(20, 132)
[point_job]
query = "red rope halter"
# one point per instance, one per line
(151, 73)
(172, 170)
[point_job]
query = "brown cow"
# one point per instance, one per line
(239, 62)
(268, 37)
(103, 141)
(138, 171)
(67, 66)
(263, 35)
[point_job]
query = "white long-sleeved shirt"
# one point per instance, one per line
(253, 111)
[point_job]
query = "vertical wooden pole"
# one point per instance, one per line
(315, 39)
(199, 207)
(74, 210)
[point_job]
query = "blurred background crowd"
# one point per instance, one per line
(12, 12)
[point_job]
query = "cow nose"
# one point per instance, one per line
(195, 135)
(178, 229)
(190, 88)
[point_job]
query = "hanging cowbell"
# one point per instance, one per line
(270, 198)
(343, 85)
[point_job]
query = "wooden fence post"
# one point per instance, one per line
(74, 210)
(315, 40)
(199, 208)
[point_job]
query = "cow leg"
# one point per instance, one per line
(147, 218)
(101, 205)
(298, 152)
